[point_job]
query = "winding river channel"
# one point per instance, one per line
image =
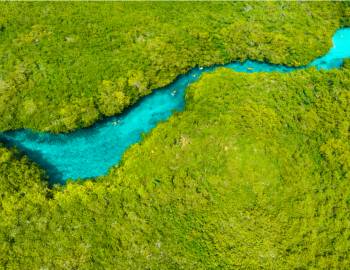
(90, 152)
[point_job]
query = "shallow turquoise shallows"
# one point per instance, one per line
(90, 152)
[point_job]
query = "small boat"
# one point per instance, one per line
(114, 123)
(250, 68)
(173, 93)
(200, 68)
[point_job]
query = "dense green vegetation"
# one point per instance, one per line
(65, 65)
(254, 174)
(18, 174)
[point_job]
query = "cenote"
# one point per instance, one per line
(90, 152)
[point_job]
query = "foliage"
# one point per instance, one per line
(55, 57)
(18, 174)
(254, 174)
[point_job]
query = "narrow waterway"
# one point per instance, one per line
(90, 152)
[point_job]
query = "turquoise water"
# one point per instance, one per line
(90, 152)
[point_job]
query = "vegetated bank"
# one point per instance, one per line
(65, 65)
(254, 174)
(91, 152)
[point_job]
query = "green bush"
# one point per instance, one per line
(55, 56)
(254, 174)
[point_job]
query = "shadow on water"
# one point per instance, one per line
(55, 176)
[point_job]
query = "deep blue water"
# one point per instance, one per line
(90, 152)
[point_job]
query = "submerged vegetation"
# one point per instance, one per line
(65, 65)
(253, 174)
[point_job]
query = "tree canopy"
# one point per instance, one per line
(253, 174)
(55, 57)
